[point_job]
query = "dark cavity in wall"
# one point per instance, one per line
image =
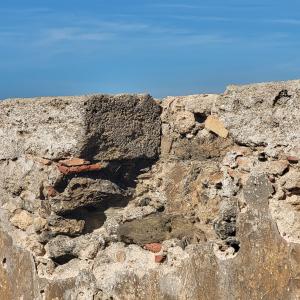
(94, 215)
(123, 173)
(200, 117)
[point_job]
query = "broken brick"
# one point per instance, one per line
(272, 178)
(293, 159)
(160, 258)
(79, 169)
(73, 162)
(51, 191)
(153, 247)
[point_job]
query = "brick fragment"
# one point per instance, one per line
(160, 258)
(153, 247)
(293, 159)
(51, 191)
(73, 162)
(79, 169)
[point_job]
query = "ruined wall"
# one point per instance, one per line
(126, 197)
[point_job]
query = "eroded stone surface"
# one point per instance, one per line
(88, 213)
(62, 127)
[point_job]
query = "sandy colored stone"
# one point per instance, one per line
(184, 121)
(39, 223)
(208, 219)
(277, 167)
(213, 124)
(22, 219)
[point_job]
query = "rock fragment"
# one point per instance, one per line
(213, 124)
(184, 121)
(22, 219)
(157, 228)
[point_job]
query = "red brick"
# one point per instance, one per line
(79, 169)
(272, 178)
(75, 161)
(153, 247)
(292, 159)
(160, 258)
(51, 191)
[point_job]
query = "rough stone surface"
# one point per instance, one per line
(265, 114)
(123, 197)
(62, 127)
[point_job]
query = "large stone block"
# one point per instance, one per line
(99, 127)
(265, 114)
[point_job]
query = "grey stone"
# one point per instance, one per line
(81, 192)
(263, 114)
(99, 127)
(157, 228)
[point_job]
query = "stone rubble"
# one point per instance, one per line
(127, 197)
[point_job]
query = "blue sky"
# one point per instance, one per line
(60, 47)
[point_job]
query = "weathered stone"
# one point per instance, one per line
(81, 192)
(259, 114)
(157, 228)
(184, 121)
(56, 128)
(59, 225)
(39, 224)
(277, 167)
(258, 189)
(22, 219)
(60, 247)
(213, 124)
(63, 248)
(211, 219)
(291, 181)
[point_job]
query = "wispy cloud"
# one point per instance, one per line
(25, 11)
(284, 21)
(71, 32)
(176, 5)
(198, 39)
(232, 6)
(202, 18)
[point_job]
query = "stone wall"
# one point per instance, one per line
(127, 197)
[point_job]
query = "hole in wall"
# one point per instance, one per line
(281, 94)
(200, 117)
(4, 262)
(61, 260)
